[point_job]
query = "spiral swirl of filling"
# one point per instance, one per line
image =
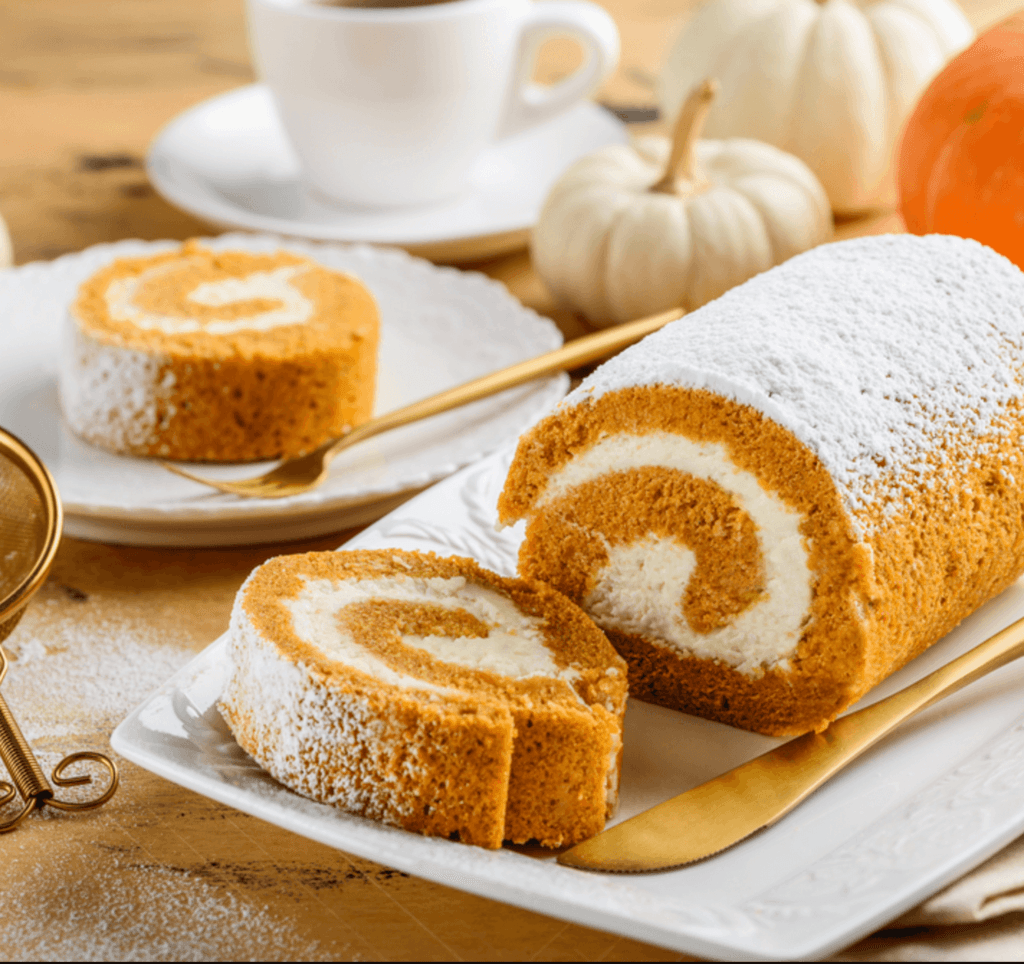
(181, 296)
(440, 634)
(680, 545)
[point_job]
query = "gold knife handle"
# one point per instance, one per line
(725, 810)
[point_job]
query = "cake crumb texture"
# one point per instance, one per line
(428, 693)
(858, 410)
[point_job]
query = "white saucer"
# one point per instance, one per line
(439, 327)
(227, 161)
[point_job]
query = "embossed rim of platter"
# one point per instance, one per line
(965, 805)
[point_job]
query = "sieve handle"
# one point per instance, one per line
(21, 763)
(17, 756)
(45, 514)
(28, 776)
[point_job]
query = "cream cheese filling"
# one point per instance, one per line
(514, 646)
(295, 308)
(640, 590)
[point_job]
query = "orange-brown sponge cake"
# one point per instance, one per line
(428, 693)
(218, 355)
(780, 499)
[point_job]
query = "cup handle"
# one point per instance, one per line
(592, 28)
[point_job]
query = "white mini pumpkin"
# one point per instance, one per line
(633, 230)
(831, 81)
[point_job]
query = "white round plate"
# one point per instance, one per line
(227, 160)
(439, 327)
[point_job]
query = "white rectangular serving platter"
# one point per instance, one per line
(931, 802)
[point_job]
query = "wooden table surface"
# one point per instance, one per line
(161, 873)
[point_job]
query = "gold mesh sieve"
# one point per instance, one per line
(30, 527)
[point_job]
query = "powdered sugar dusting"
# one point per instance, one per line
(873, 352)
(121, 883)
(70, 664)
(112, 395)
(301, 719)
(113, 913)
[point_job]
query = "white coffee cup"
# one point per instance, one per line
(391, 106)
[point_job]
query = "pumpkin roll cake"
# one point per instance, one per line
(428, 693)
(778, 500)
(218, 355)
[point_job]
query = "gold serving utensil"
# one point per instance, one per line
(30, 528)
(724, 811)
(301, 474)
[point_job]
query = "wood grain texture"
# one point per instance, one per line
(161, 873)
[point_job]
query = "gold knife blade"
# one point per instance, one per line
(729, 808)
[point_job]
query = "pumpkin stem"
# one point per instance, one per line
(682, 174)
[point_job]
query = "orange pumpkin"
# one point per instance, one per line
(961, 161)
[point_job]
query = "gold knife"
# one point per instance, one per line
(724, 811)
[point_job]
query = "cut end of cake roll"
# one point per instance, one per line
(710, 546)
(777, 501)
(428, 693)
(205, 355)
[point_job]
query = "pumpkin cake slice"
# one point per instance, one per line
(778, 500)
(218, 355)
(428, 693)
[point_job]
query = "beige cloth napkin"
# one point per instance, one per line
(978, 918)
